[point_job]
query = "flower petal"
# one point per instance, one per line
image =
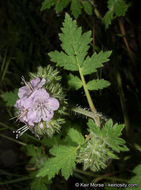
(24, 91)
(52, 104)
(47, 115)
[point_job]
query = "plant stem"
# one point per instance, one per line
(96, 11)
(83, 112)
(16, 180)
(14, 140)
(89, 99)
(123, 104)
(122, 29)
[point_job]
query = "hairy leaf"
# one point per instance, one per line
(64, 160)
(97, 84)
(74, 82)
(101, 145)
(91, 64)
(110, 134)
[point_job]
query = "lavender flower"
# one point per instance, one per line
(34, 104)
(35, 84)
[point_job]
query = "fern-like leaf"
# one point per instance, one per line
(75, 46)
(64, 160)
(97, 84)
(91, 64)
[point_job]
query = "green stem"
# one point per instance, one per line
(89, 99)
(96, 11)
(16, 180)
(14, 140)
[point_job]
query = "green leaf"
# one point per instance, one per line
(74, 82)
(87, 7)
(102, 145)
(97, 84)
(107, 20)
(60, 5)
(65, 157)
(55, 140)
(75, 46)
(110, 134)
(33, 151)
(76, 8)
(116, 8)
(10, 97)
(38, 184)
(63, 60)
(137, 178)
(91, 64)
(76, 136)
(47, 4)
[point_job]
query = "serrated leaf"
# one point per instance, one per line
(91, 64)
(76, 136)
(65, 157)
(75, 46)
(87, 7)
(136, 179)
(10, 97)
(60, 5)
(110, 135)
(116, 8)
(63, 60)
(76, 8)
(74, 82)
(120, 7)
(97, 84)
(47, 4)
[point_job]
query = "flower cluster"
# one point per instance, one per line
(34, 104)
